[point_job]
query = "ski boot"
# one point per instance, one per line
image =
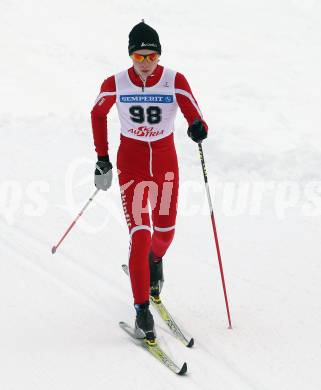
(144, 324)
(156, 275)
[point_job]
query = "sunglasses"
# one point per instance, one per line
(140, 57)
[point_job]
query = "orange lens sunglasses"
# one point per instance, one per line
(149, 57)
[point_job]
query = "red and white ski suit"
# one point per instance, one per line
(146, 159)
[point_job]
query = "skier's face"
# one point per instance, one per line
(146, 67)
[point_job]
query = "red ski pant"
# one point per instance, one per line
(148, 178)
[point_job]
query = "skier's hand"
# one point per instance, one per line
(103, 173)
(197, 131)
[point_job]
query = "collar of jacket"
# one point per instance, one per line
(150, 81)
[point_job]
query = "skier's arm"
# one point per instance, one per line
(187, 102)
(103, 104)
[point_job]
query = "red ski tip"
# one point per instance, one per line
(53, 250)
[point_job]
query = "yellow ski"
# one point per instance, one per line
(154, 349)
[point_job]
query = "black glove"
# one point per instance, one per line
(197, 131)
(103, 173)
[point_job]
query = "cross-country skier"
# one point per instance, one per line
(147, 96)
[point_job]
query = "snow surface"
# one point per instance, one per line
(254, 67)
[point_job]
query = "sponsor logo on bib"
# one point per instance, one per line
(144, 131)
(146, 98)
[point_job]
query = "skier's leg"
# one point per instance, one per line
(140, 242)
(164, 215)
(164, 218)
(134, 195)
(138, 263)
(161, 241)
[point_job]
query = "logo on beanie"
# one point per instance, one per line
(148, 44)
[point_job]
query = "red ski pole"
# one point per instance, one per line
(55, 247)
(215, 232)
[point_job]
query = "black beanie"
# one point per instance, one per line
(142, 36)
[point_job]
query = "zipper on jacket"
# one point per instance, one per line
(150, 159)
(144, 83)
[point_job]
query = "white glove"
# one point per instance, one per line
(103, 173)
